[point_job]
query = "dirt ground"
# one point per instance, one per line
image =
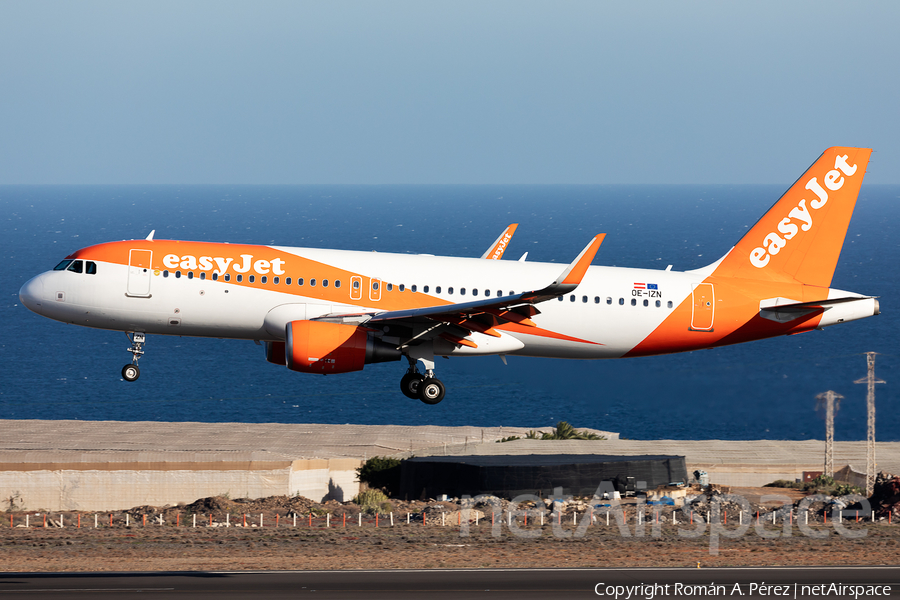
(339, 542)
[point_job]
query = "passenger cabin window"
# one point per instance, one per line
(621, 301)
(449, 290)
(337, 283)
(413, 288)
(561, 298)
(240, 278)
(287, 281)
(324, 283)
(178, 275)
(634, 301)
(474, 291)
(312, 282)
(190, 274)
(437, 290)
(77, 266)
(251, 278)
(390, 287)
(215, 276)
(263, 279)
(355, 285)
(62, 266)
(202, 275)
(166, 273)
(572, 298)
(462, 291)
(609, 300)
(275, 280)
(227, 277)
(299, 281)
(669, 304)
(401, 287)
(425, 289)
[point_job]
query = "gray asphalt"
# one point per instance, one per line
(431, 584)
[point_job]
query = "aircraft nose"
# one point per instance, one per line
(32, 294)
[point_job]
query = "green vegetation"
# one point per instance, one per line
(823, 484)
(563, 431)
(381, 473)
(511, 438)
(372, 501)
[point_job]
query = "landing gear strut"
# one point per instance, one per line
(132, 372)
(427, 387)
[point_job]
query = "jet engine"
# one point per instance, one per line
(319, 347)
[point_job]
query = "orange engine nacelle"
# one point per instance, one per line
(317, 347)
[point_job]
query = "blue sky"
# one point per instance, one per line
(443, 92)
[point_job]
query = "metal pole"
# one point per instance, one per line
(870, 380)
(827, 400)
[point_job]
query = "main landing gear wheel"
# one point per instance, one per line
(431, 390)
(409, 385)
(130, 372)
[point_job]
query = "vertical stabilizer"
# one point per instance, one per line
(800, 238)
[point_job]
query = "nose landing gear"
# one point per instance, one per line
(132, 372)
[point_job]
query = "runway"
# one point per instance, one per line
(484, 583)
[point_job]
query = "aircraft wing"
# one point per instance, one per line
(483, 315)
(495, 252)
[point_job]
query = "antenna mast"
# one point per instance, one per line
(870, 380)
(827, 399)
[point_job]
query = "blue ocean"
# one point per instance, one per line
(763, 389)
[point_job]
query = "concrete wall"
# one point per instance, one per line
(321, 479)
(105, 487)
(748, 475)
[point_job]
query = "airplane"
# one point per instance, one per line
(335, 311)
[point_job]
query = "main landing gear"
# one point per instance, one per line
(132, 372)
(426, 388)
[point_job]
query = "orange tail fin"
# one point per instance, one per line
(800, 238)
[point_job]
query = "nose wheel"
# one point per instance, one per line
(132, 372)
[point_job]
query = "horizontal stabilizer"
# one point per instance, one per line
(784, 309)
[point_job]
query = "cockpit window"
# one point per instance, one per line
(77, 266)
(62, 266)
(90, 267)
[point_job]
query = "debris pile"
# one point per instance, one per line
(886, 496)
